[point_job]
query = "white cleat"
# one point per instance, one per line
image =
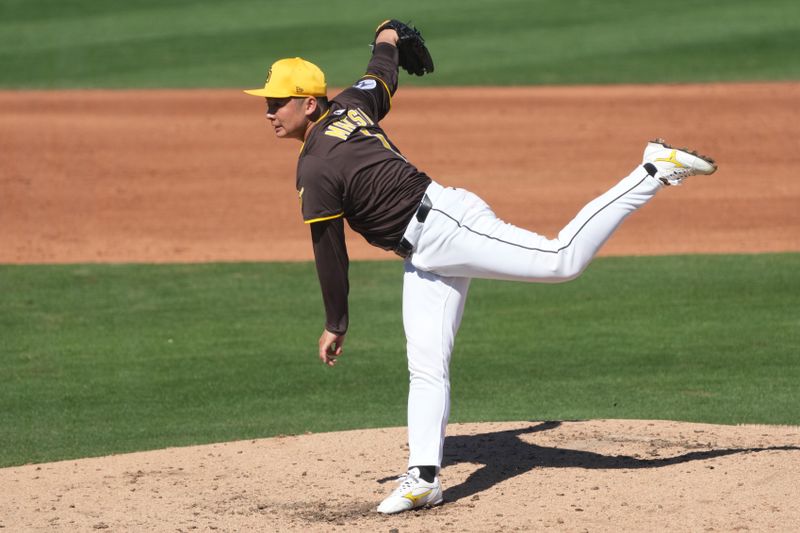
(673, 165)
(413, 492)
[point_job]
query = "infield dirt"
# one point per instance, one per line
(183, 176)
(193, 176)
(599, 475)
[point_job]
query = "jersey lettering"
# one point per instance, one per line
(342, 128)
(359, 117)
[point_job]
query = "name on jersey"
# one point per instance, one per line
(342, 128)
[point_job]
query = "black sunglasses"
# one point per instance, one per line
(273, 104)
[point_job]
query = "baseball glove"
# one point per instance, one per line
(414, 56)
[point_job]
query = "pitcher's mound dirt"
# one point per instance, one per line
(602, 475)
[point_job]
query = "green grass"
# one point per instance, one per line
(206, 43)
(97, 359)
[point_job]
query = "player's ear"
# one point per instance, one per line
(310, 106)
(313, 108)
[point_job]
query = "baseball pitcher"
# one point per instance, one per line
(349, 169)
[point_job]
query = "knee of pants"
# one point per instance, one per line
(428, 371)
(565, 266)
(427, 379)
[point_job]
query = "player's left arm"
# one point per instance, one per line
(396, 45)
(373, 92)
(384, 63)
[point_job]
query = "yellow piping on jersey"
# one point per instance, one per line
(325, 114)
(384, 86)
(323, 219)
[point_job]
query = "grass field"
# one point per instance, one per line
(98, 359)
(191, 43)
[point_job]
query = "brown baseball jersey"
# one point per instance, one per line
(349, 169)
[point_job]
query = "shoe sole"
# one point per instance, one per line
(705, 158)
(428, 505)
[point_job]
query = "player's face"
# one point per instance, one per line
(288, 117)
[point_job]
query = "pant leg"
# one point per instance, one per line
(432, 310)
(462, 236)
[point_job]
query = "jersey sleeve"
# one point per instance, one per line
(319, 189)
(330, 255)
(373, 92)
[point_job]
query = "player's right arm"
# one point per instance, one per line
(330, 256)
(320, 189)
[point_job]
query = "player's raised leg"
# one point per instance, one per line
(463, 237)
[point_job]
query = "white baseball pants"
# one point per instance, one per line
(463, 239)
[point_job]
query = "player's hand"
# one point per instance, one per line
(387, 35)
(330, 347)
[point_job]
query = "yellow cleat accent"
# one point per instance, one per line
(671, 159)
(413, 498)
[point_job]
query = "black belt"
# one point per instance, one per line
(404, 248)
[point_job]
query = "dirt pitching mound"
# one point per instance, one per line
(599, 475)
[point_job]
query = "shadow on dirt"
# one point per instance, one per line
(504, 456)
